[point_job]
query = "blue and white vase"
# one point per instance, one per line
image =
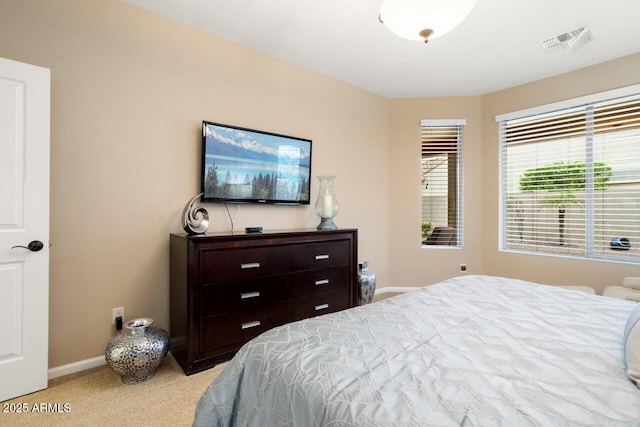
(366, 283)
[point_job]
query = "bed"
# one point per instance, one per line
(471, 351)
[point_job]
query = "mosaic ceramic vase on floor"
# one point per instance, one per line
(366, 283)
(135, 353)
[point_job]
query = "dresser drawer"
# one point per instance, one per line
(244, 295)
(236, 264)
(319, 255)
(319, 304)
(234, 328)
(322, 280)
(228, 288)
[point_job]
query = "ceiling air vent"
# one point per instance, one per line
(571, 40)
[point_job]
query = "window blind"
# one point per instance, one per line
(441, 181)
(571, 180)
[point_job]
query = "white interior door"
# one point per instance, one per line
(24, 221)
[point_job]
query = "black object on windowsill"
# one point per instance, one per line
(621, 243)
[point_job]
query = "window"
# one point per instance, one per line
(571, 178)
(441, 164)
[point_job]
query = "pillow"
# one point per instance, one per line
(631, 282)
(632, 345)
(633, 297)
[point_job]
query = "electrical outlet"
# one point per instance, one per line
(463, 267)
(117, 312)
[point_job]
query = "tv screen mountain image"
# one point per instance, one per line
(250, 166)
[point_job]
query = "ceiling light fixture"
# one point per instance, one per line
(423, 20)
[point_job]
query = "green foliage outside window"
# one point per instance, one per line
(562, 180)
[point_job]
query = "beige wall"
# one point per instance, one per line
(129, 92)
(545, 269)
(409, 263)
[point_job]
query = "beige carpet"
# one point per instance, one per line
(98, 398)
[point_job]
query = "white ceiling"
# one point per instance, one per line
(496, 47)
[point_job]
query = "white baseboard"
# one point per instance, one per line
(388, 289)
(72, 368)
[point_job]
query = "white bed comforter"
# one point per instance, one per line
(471, 351)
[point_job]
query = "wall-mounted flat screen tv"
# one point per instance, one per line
(241, 165)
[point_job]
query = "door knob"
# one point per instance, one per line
(33, 246)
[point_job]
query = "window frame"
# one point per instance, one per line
(459, 214)
(588, 102)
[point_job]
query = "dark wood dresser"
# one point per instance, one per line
(228, 288)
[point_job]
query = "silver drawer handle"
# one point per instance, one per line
(322, 282)
(249, 325)
(321, 307)
(322, 256)
(250, 265)
(247, 295)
